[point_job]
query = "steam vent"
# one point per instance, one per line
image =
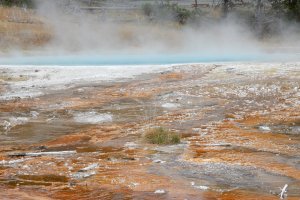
(149, 100)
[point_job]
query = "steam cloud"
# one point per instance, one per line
(78, 31)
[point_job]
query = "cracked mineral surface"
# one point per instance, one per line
(82, 136)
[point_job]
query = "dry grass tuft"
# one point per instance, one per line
(162, 136)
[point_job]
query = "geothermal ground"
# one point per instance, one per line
(77, 133)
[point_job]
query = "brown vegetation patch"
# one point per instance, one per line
(162, 136)
(171, 76)
(22, 28)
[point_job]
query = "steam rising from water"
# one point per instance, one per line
(83, 38)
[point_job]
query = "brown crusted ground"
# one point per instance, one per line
(20, 28)
(251, 140)
(126, 172)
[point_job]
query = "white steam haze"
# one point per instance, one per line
(76, 31)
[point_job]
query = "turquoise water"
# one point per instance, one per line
(96, 60)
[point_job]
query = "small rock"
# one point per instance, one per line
(158, 161)
(41, 147)
(71, 184)
(25, 167)
(159, 192)
(264, 128)
(196, 129)
(81, 175)
(34, 114)
(134, 184)
(130, 145)
(170, 105)
(201, 187)
(90, 167)
(78, 91)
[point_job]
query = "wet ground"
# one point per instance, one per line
(239, 122)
